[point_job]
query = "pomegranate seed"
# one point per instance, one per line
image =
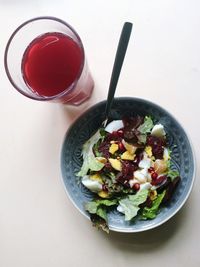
(121, 146)
(136, 186)
(151, 169)
(154, 175)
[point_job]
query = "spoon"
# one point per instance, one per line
(119, 58)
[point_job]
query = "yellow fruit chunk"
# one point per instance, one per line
(96, 177)
(113, 148)
(153, 194)
(103, 194)
(127, 156)
(130, 148)
(116, 164)
(148, 150)
(160, 166)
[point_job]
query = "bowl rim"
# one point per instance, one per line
(152, 226)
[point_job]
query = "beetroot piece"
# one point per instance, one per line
(115, 136)
(104, 149)
(128, 168)
(130, 128)
(121, 179)
(157, 145)
(126, 174)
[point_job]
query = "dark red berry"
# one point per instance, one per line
(154, 175)
(151, 169)
(121, 147)
(136, 186)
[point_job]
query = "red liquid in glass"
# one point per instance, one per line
(51, 63)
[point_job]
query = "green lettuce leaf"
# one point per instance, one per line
(98, 206)
(90, 163)
(94, 205)
(151, 213)
(142, 138)
(89, 160)
(130, 204)
(101, 212)
(172, 174)
(98, 212)
(146, 126)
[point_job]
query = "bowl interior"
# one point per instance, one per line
(90, 121)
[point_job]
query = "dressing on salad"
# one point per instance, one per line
(127, 167)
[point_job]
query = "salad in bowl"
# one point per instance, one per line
(127, 166)
(132, 175)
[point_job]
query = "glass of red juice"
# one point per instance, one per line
(45, 60)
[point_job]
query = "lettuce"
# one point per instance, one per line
(144, 129)
(98, 212)
(172, 174)
(130, 205)
(151, 213)
(99, 206)
(89, 160)
(94, 205)
(146, 126)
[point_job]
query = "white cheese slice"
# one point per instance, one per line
(145, 186)
(158, 130)
(145, 163)
(114, 126)
(92, 185)
(141, 175)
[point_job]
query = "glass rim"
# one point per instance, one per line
(65, 92)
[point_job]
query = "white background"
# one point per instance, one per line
(39, 227)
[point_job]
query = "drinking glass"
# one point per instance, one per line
(45, 60)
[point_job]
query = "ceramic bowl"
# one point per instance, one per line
(90, 121)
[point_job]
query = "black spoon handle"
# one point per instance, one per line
(119, 58)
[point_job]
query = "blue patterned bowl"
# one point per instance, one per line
(90, 121)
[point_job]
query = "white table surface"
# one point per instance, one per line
(39, 227)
